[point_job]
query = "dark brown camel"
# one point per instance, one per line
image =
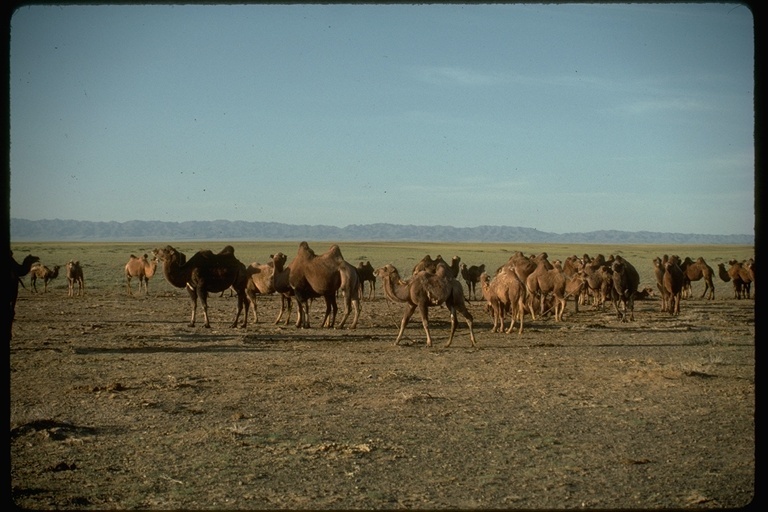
(314, 276)
(40, 271)
(367, 275)
(204, 273)
(625, 283)
(673, 280)
(142, 269)
(471, 276)
(75, 278)
(18, 270)
(424, 290)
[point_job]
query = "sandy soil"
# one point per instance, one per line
(117, 404)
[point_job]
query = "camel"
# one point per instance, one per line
(283, 287)
(544, 281)
(74, 277)
(366, 274)
(740, 276)
(597, 274)
(18, 270)
(261, 281)
(504, 293)
(472, 277)
(422, 291)
(40, 271)
(625, 283)
(659, 270)
(694, 271)
(673, 280)
(204, 273)
(313, 276)
(141, 268)
(430, 265)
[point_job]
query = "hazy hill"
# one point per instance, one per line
(72, 230)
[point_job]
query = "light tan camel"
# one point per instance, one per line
(283, 287)
(424, 290)
(40, 271)
(659, 269)
(205, 272)
(314, 276)
(261, 281)
(75, 277)
(504, 293)
(142, 269)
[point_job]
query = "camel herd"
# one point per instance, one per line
(529, 285)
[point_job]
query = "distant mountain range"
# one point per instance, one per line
(87, 231)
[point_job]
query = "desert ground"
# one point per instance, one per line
(116, 403)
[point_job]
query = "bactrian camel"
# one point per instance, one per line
(75, 278)
(314, 276)
(366, 274)
(204, 273)
(142, 269)
(504, 293)
(424, 290)
(45, 274)
(18, 270)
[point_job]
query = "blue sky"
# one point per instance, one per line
(563, 118)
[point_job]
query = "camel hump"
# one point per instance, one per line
(305, 250)
(228, 249)
(335, 252)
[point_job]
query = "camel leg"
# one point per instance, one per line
(193, 298)
(407, 316)
(453, 326)
(242, 304)
(204, 302)
(424, 312)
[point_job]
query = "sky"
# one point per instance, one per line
(558, 117)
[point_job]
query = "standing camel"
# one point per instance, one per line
(205, 273)
(74, 278)
(282, 286)
(18, 270)
(422, 291)
(693, 271)
(261, 281)
(314, 276)
(40, 271)
(141, 268)
(367, 275)
(505, 292)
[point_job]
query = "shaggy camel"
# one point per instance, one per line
(142, 269)
(694, 271)
(74, 277)
(313, 276)
(18, 270)
(40, 271)
(472, 277)
(504, 293)
(544, 281)
(205, 272)
(659, 270)
(625, 283)
(367, 275)
(673, 280)
(423, 291)
(597, 274)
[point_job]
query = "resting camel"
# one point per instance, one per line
(40, 271)
(472, 277)
(204, 273)
(424, 290)
(74, 277)
(313, 276)
(142, 269)
(694, 271)
(366, 274)
(18, 270)
(504, 293)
